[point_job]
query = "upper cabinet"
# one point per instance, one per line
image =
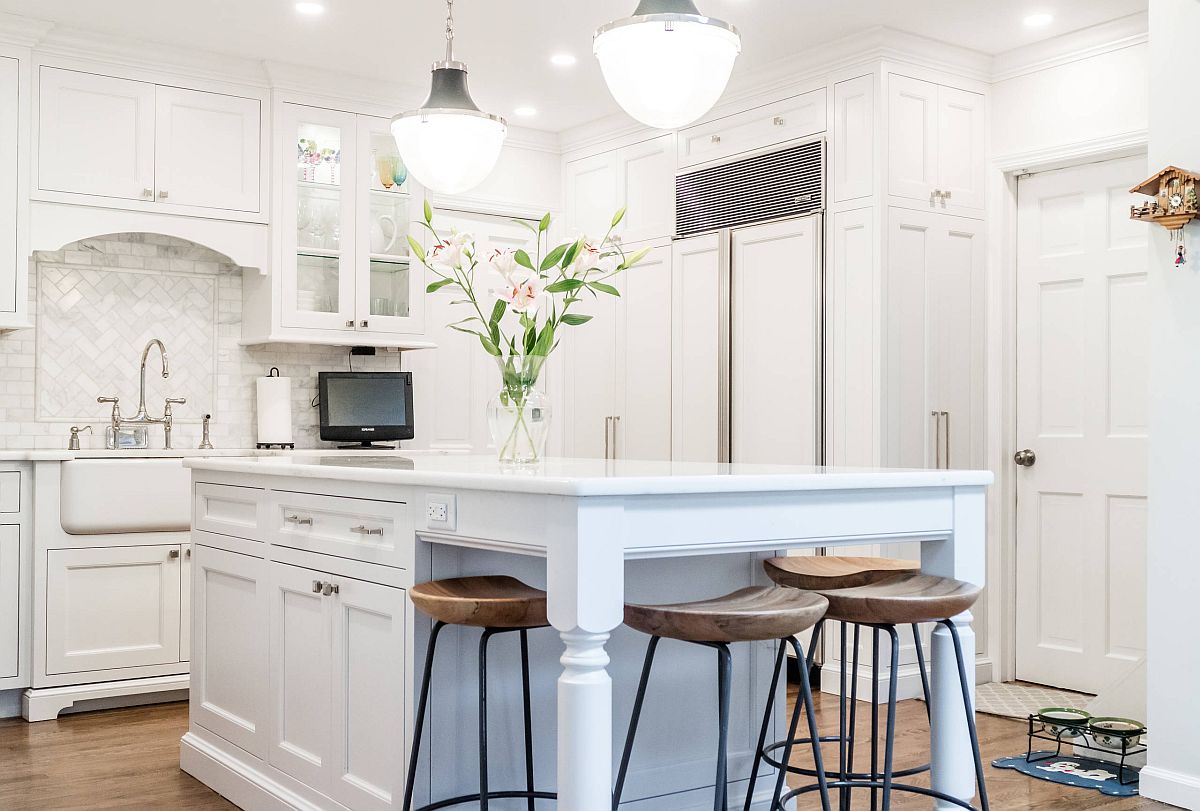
(343, 273)
(936, 142)
(171, 149)
(14, 259)
(753, 129)
(640, 177)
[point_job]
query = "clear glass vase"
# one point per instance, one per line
(519, 413)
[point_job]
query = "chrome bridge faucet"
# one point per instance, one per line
(115, 436)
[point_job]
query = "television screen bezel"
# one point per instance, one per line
(364, 433)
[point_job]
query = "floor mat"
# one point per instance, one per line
(1017, 700)
(1080, 772)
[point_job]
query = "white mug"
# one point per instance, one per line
(383, 234)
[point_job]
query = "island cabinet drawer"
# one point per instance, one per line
(10, 491)
(226, 509)
(753, 129)
(362, 529)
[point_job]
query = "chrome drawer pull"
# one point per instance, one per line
(298, 519)
(317, 587)
(365, 530)
(330, 588)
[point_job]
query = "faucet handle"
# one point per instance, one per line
(113, 400)
(177, 400)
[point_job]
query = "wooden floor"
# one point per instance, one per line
(129, 759)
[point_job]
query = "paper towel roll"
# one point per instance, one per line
(274, 409)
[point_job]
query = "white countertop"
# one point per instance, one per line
(583, 477)
(62, 455)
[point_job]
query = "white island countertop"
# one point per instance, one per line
(584, 477)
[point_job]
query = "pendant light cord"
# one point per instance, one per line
(449, 30)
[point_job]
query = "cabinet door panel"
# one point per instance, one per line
(961, 147)
(591, 194)
(95, 135)
(776, 342)
(301, 653)
(229, 679)
(591, 378)
(9, 167)
(647, 182)
(111, 608)
(697, 268)
(185, 604)
(368, 761)
(852, 148)
(10, 600)
(912, 137)
(644, 385)
(207, 149)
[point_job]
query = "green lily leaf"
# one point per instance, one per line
(428, 212)
(497, 311)
(418, 250)
(637, 256)
(604, 288)
(433, 287)
(620, 215)
(545, 223)
(553, 257)
(575, 319)
(571, 253)
(563, 285)
(523, 259)
(489, 345)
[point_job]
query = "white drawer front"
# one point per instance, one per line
(10, 491)
(754, 129)
(371, 531)
(229, 510)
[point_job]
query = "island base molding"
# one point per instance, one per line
(45, 703)
(254, 786)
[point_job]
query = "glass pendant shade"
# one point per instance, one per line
(667, 65)
(448, 144)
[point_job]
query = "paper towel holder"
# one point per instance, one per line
(274, 372)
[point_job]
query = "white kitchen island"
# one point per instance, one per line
(305, 644)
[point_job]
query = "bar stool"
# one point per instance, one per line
(904, 599)
(747, 615)
(498, 605)
(819, 573)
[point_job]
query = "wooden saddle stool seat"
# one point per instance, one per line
(901, 599)
(814, 573)
(747, 615)
(493, 601)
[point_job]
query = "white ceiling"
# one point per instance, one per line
(507, 43)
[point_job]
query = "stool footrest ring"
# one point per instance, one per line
(853, 784)
(832, 772)
(491, 795)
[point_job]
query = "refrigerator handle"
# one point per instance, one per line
(725, 346)
(937, 439)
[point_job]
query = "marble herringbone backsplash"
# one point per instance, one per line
(95, 304)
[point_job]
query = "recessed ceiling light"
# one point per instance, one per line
(1038, 20)
(310, 9)
(525, 111)
(563, 60)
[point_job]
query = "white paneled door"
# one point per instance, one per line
(776, 343)
(1082, 353)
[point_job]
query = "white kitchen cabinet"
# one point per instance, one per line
(229, 683)
(699, 270)
(934, 341)
(175, 149)
(640, 177)
(112, 607)
(10, 600)
(207, 149)
(345, 275)
(14, 259)
(754, 129)
(619, 374)
(936, 143)
(95, 135)
(852, 140)
(337, 645)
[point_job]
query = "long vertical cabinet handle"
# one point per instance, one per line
(607, 435)
(937, 439)
(616, 421)
(946, 429)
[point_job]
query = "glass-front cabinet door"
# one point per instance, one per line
(389, 296)
(318, 218)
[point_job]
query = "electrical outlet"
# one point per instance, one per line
(440, 512)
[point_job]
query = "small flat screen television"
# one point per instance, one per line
(365, 407)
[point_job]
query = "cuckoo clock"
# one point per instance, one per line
(1173, 204)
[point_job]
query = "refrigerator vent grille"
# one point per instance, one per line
(779, 184)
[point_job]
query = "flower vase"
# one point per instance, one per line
(519, 413)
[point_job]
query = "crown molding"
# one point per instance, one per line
(783, 77)
(1058, 156)
(1115, 35)
(23, 31)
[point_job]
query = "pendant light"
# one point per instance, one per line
(667, 64)
(449, 145)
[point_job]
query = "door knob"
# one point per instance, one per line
(1025, 458)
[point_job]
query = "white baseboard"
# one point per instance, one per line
(44, 704)
(239, 782)
(1170, 787)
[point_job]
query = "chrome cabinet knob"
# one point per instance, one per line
(1025, 458)
(162, 195)
(330, 588)
(716, 139)
(350, 324)
(317, 587)
(299, 520)
(173, 554)
(363, 323)
(362, 529)
(779, 121)
(147, 192)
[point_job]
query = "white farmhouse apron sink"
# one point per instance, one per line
(105, 496)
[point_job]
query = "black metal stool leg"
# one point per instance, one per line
(874, 715)
(724, 698)
(814, 733)
(789, 742)
(890, 741)
(851, 729)
(623, 770)
(419, 725)
(529, 784)
(843, 794)
(483, 736)
(766, 724)
(970, 711)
